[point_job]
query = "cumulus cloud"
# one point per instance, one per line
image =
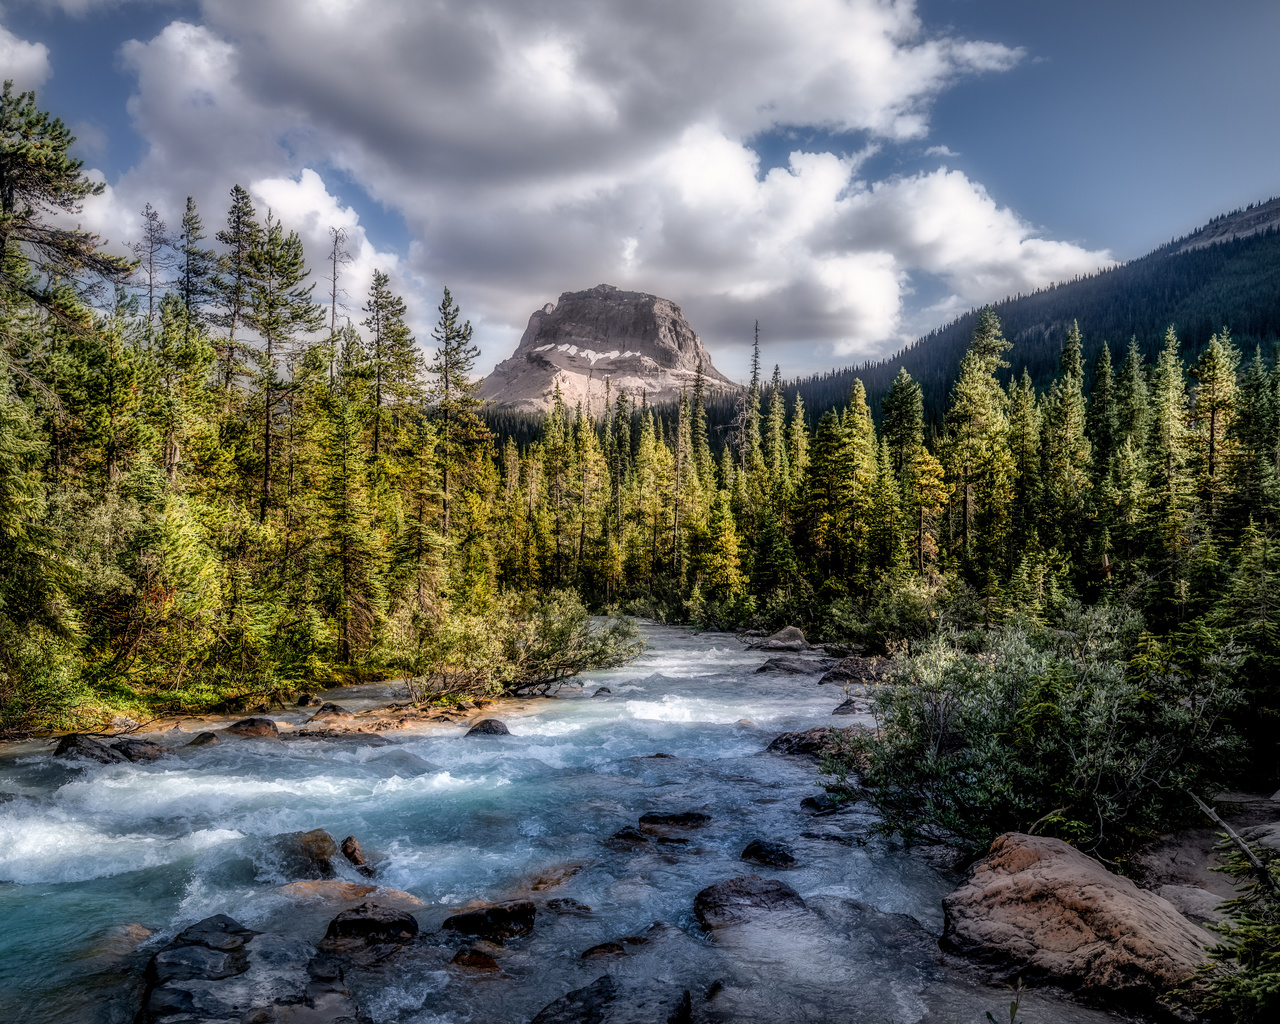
(532, 149)
(24, 62)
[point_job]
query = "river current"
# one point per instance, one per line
(88, 851)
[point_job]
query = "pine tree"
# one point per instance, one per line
(196, 267)
(1212, 409)
(721, 575)
(1133, 406)
(453, 395)
(155, 261)
(279, 307)
(903, 409)
(1024, 444)
(1067, 455)
(1255, 433)
(775, 436)
(234, 286)
(700, 445)
(1103, 419)
(394, 365)
(1167, 455)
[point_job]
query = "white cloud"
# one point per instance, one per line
(24, 62)
(533, 149)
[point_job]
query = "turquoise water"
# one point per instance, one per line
(87, 849)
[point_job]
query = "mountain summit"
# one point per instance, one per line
(640, 343)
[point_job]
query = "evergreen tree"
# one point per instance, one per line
(1167, 455)
(903, 409)
(234, 286)
(1212, 409)
(1133, 411)
(1067, 455)
(394, 365)
(1025, 444)
(196, 267)
(721, 575)
(1103, 418)
(154, 260)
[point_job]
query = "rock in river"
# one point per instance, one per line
(77, 743)
(253, 728)
(495, 922)
(850, 671)
(330, 712)
(771, 854)
(817, 741)
(373, 923)
(679, 819)
(789, 638)
(304, 854)
(739, 899)
(489, 727)
(790, 667)
(1035, 906)
(139, 750)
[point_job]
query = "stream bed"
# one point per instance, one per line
(92, 857)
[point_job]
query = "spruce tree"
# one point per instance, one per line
(1133, 404)
(1213, 403)
(394, 366)
(1067, 455)
(903, 409)
(1025, 446)
(196, 267)
(1103, 419)
(154, 260)
(234, 285)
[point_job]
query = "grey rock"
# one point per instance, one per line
(849, 707)
(331, 712)
(602, 691)
(77, 744)
(640, 342)
(769, 853)
(678, 819)
(790, 667)
(489, 727)
(495, 922)
(139, 750)
(204, 739)
(628, 839)
(818, 741)
(856, 670)
(373, 923)
(789, 638)
(253, 728)
(1195, 904)
(739, 899)
(302, 855)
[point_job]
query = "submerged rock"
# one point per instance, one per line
(769, 853)
(77, 744)
(789, 638)
(374, 923)
(603, 691)
(495, 922)
(1035, 906)
(567, 905)
(603, 951)
(253, 728)
(139, 750)
(204, 739)
(330, 712)
(627, 839)
(849, 707)
(610, 1000)
(678, 819)
(738, 899)
(489, 727)
(474, 960)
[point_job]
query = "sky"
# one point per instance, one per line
(851, 173)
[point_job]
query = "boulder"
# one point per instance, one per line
(738, 899)
(849, 707)
(789, 638)
(373, 923)
(354, 853)
(856, 670)
(769, 853)
(332, 891)
(823, 803)
(306, 700)
(814, 742)
(304, 854)
(495, 922)
(604, 951)
(678, 819)
(1036, 907)
(603, 691)
(621, 1000)
(330, 712)
(489, 727)
(627, 839)
(139, 750)
(790, 667)
(1263, 835)
(567, 905)
(590, 1004)
(77, 744)
(1193, 903)
(474, 960)
(253, 728)
(204, 739)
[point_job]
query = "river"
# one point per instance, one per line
(87, 849)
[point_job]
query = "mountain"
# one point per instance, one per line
(1226, 274)
(641, 344)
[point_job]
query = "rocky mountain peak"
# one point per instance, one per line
(640, 343)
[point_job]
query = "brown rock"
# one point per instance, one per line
(475, 960)
(305, 854)
(738, 899)
(790, 667)
(205, 739)
(253, 728)
(77, 744)
(817, 741)
(331, 890)
(1039, 908)
(495, 922)
(332, 713)
(789, 638)
(352, 850)
(488, 727)
(855, 670)
(139, 750)
(604, 951)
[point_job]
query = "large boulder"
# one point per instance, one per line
(1036, 907)
(304, 854)
(139, 750)
(253, 728)
(676, 819)
(790, 667)
(769, 853)
(789, 638)
(742, 898)
(330, 712)
(621, 1000)
(489, 727)
(814, 742)
(77, 744)
(495, 922)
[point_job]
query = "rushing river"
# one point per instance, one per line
(87, 850)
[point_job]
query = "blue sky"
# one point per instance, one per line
(851, 174)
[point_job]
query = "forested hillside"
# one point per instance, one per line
(1232, 284)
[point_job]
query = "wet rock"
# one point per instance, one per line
(336, 892)
(659, 755)
(77, 744)
(330, 712)
(788, 638)
(139, 750)
(489, 727)
(771, 854)
(790, 667)
(306, 700)
(474, 960)
(602, 691)
(823, 803)
(604, 951)
(495, 922)
(204, 739)
(304, 854)
(849, 707)
(816, 742)
(352, 850)
(627, 839)
(588, 1005)
(374, 924)
(253, 728)
(855, 670)
(1035, 906)
(739, 899)
(566, 905)
(680, 819)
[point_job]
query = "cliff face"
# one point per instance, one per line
(640, 343)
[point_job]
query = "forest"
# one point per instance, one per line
(214, 490)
